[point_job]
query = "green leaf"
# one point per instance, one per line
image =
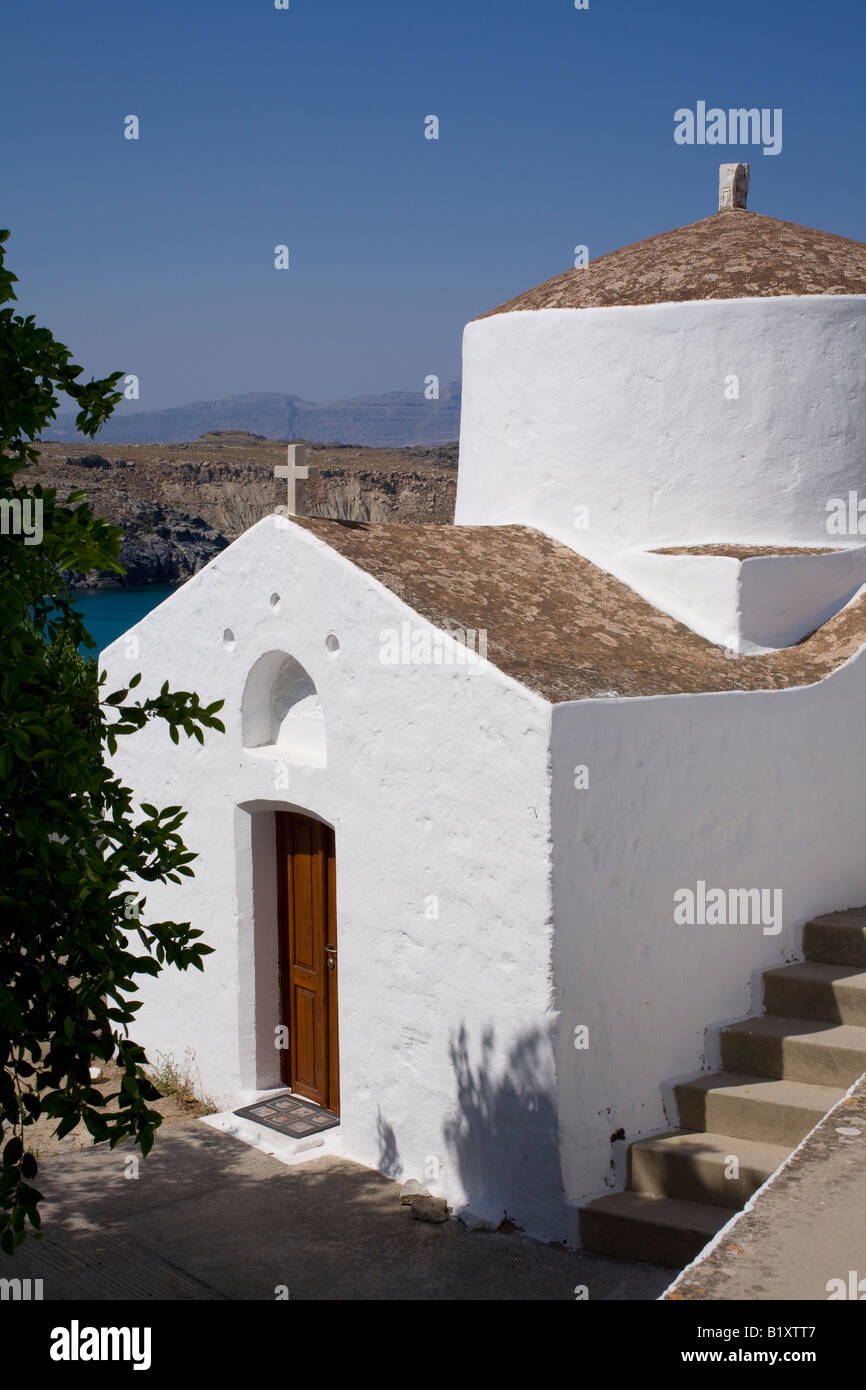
(12, 1152)
(66, 1124)
(96, 1126)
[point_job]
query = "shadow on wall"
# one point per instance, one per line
(389, 1154)
(504, 1141)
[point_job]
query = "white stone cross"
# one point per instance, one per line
(295, 469)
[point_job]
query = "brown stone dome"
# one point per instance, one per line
(734, 254)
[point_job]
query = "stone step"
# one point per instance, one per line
(754, 1107)
(784, 1072)
(814, 989)
(796, 1049)
(839, 938)
(695, 1167)
(662, 1230)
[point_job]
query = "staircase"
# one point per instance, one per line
(782, 1073)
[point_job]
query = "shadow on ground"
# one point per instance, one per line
(209, 1217)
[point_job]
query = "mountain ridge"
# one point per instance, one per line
(394, 419)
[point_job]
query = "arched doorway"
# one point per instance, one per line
(307, 937)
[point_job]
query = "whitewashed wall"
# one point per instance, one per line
(623, 411)
(740, 790)
(436, 783)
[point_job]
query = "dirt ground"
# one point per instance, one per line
(176, 1107)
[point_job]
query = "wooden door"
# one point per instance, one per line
(306, 901)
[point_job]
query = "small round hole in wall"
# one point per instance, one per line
(229, 639)
(275, 601)
(332, 642)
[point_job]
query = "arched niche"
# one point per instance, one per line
(281, 712)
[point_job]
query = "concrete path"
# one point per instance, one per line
(208, 1217)
(806, 1227)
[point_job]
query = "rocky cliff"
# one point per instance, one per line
(180, 504)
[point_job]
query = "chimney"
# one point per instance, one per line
(733, 185)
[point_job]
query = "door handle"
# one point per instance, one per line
(331, 954)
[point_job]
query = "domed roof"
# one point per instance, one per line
(734, 254)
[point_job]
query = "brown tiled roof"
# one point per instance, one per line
(559, 624)
(735, 254)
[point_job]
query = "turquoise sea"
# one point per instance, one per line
(109, 612)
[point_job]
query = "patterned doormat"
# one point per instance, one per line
(290, 1115)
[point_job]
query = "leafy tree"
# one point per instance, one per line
(73, 939)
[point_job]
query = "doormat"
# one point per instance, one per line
(289, 1115)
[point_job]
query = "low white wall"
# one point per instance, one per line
(624, 411)
(437, 786)
(738, 790)
(701, 591)
(753, 605)
(784, 597)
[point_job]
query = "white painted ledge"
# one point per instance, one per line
(753, 605)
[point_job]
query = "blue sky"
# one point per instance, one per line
(306, 127)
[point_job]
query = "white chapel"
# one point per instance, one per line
(534, 845)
